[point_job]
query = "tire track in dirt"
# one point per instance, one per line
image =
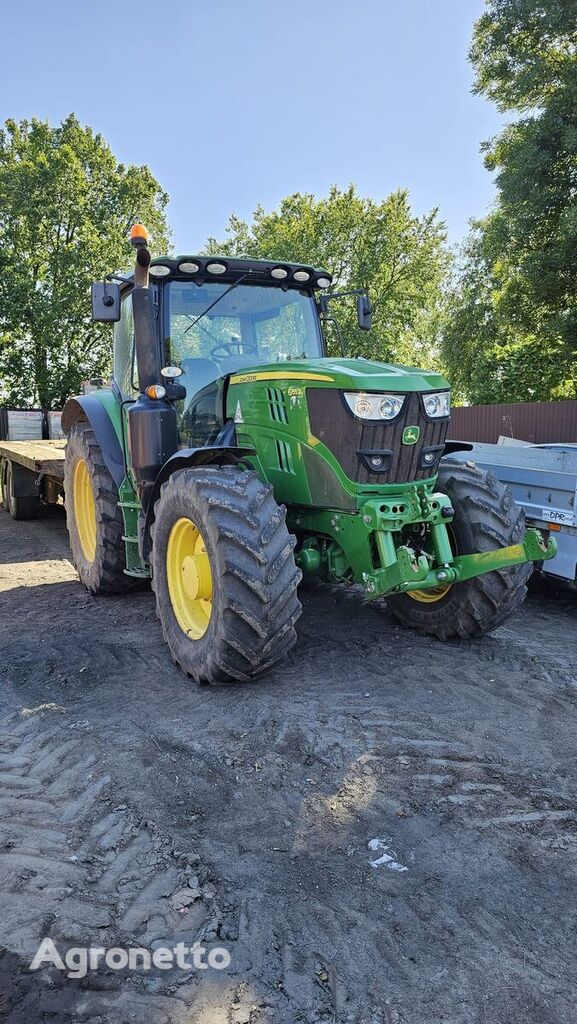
(78, 869)
(445, 753)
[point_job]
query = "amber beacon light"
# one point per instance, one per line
(138, 234)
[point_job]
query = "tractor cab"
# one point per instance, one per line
(214, 317)
(248, 324)
(215, 328)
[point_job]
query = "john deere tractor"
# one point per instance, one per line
(230, 456)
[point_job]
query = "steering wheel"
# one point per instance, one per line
(227, 348)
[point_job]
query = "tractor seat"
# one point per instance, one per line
(197, 373)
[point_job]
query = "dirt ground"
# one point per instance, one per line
(123, 786)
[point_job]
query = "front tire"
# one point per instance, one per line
(486, 517)
(224, 574)
(94, 519)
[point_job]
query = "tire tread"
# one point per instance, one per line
(257, 600)
(481, 604)
(106, 574)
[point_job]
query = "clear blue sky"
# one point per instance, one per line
(232, 104)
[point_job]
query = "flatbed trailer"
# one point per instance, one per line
(31, 473)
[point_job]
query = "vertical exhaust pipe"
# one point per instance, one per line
(145, 336)
(152, 425)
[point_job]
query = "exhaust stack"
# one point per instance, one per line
(152, 426)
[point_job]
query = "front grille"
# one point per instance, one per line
(345, 436)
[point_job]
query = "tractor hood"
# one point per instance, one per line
(350, 374)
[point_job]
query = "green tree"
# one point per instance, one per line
(517, 297)
(489, 352)
(401, 259)
(66, 205)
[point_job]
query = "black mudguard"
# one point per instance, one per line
(88, 407)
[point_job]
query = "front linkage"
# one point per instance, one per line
(361, 540)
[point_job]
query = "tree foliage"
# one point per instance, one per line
(401, 259)
(66, 205)
(514, 309)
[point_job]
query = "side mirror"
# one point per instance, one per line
(105, 302)
(364, 312)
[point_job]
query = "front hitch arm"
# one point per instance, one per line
(405, 571)
(534, 548)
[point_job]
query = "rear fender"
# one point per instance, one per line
(103, 412)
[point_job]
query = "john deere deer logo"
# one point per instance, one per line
(411, 435)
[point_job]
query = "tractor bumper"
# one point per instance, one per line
(404, 571)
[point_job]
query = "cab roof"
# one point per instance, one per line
(229, 269)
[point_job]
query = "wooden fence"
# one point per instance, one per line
(538, 422)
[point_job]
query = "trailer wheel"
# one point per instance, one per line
(486, 517)
(18, 507)
(94, 520)
(224, 574)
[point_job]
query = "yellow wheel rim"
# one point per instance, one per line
(84, 509)
(189, 578)
(429, 596)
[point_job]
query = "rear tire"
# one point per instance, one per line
(26, 507)
(100, 560)
(222, 528)
(486, 517)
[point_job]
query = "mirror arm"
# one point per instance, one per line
(332, 320)
(118, 277)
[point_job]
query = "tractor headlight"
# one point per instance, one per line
(374, 407)
(437, 404)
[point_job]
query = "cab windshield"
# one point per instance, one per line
(249, 325)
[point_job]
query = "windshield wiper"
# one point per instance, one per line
(216, 301)
(212, 337)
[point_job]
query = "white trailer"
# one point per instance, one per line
(543, 479)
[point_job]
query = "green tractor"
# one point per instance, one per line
(230, 457)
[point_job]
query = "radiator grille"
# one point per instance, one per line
(345, 435)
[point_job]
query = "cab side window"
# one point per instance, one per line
(124, 369)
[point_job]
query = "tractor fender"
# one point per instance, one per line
(187, 458)
(89, 407)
